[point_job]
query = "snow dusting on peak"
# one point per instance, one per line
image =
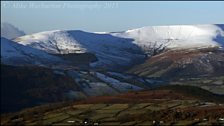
(55, 42)
(13, 53)
(175, 36)
(122, 48)
(109, 50)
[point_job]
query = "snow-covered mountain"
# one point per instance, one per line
(170, 53)
(9, 31)
(176, 36)
(109, 50)
(123, 48)
(13, 53)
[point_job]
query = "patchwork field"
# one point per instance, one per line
(161, 106)
(173, 112)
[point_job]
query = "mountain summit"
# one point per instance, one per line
(9, 31)
(128, 47)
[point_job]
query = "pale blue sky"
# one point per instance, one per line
(39, 16)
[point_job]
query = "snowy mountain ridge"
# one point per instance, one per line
(122, 48)
(110, 50)
(175, 36)
(13, 53)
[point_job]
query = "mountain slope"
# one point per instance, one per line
(25, 86)
(129, 47)
(109, 50)
(183, 63)
(28, 86)
(152, 38)
(10, 32)
(13, 53)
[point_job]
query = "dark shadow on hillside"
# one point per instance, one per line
(111, 49)
(112, 52)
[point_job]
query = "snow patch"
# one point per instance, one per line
(121, 86)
